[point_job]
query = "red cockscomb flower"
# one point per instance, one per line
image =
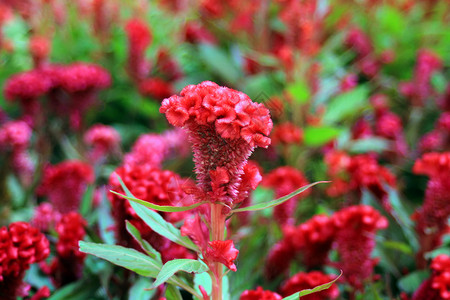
(224, 127)
(259, 294)
(20, 246)
(68, 264)
(303, 281)
(437, 287)
(139, 38)
(64, 184)
(286, 133)
(156, 88)
(285, 180)
(103, 139)
(356, 226)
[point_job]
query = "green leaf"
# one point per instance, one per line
(346, 105)
(219, 62)
(319, 288)
(173, 293)
(371, 144)
(128, 258)
(160, 207)
(319, 136)
(86, 202)
(411, 282)
(152, 252)
(79, 290)
(173, 266)
(299, 91)
(157, 223)
(261, 206)
(399, 246)
(139, 290)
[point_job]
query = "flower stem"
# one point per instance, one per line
(217, 234)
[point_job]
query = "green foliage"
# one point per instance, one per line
(273, 203)
(346, 105)
(173, 266)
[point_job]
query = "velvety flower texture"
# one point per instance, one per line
(20, 246)
(356, 227)
(64, 184)
(45, 217)
(311, 241)
(224, 127)
(285, 180)
(437, 287)
(259, 294)
(303, 281)
(68, 265)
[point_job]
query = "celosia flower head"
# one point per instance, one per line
(28, 85)
(286, 133)
(356, 226)
(437, 287)
(303, 281)
(65, 183)
(433, 164)
(224, 127)
(83, 77)
(259, 294)
(14, 136)
(20, 246)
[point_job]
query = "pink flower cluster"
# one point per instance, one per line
(139, 38)
(14, 140)
(286, 133)
(103, 140)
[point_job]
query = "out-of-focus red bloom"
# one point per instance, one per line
(279, 259)
(259, 294)
(67, 267)
(285, 180)
(312, 239)
(194, 33)
(432, 141)
(45, 217)
(39, 49)
(43, 292)
(103, 139)
(224, 127)
(14, 136)
(27, 86)
(197, 231)
(152, 148)
(83, 77)
(419, 88)
(212, 8)
(361, 129)
(223, 252)
(286, 133)
(348, 82)
(303, 281)
(156, 88)
(433, 164)
(356, 227)
(437, 287)
(337, 162)
(20, 246)
(365, 172)
(139, 38)
(357, 40)
(168, 66)
(65, 183)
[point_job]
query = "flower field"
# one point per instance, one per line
(225, 150)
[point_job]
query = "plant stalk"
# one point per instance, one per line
(217, 234)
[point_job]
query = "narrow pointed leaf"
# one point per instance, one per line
(164, 208)
(128, 258)
(278, 201)
(152, 252)
(319, 288)
(171, 267)
(157, 223)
